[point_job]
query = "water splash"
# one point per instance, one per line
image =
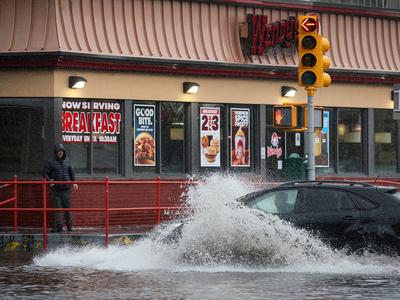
(221, 235)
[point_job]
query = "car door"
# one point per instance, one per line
(328, 212)
(304, 211)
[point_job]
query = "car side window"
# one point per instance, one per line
(324, 200)
(362, 203)
(276, 202)
(305, 204)
(345, 202)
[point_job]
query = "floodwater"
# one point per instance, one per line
(226, 252)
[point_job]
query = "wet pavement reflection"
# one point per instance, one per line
(21, 279)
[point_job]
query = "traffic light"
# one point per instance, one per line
(312, 47)
(285, 116)
(318, 117)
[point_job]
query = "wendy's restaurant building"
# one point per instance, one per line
(135, 118)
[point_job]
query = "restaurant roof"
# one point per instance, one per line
(187, 31)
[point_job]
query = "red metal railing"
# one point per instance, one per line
(12, 199)
(106, 209)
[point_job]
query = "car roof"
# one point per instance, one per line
(360, 188)
(353, 186)
(339, 183)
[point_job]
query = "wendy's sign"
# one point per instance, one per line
(262, 35)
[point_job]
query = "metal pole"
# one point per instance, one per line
(15, 203)
(44, 215)
(310, 133)
(107, 213)
(158, 200)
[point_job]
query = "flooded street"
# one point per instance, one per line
(226, 251)
(22, 280)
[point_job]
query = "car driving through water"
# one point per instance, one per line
(354, 216)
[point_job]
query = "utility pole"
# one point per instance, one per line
(310, 133)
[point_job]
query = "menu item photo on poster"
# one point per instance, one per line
(144, 135)
(210, 137)
(240, 137)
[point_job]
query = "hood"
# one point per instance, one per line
(57, 148)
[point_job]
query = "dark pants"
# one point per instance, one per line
(62, 199)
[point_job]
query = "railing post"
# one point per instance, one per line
(15, 203)
(44, 215)
(107, 212)
(158, 200)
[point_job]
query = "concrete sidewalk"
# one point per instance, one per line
(31, 239)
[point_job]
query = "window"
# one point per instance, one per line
(145, 138)
(324, 200)
(241, 138)
(385, 141)
(277, 202)
(212, 146)
(106, 158)
(80, 156)
(159, 137)
(325, 152)
(350, 137)
(345, 202)
(362, 203)
(91, 134)
(21, 147)
(172, 137)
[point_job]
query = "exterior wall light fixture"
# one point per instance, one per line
(76, 82)
(288, 91)
(191, 87)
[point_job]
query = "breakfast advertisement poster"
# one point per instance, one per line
(240, 137)
(144, 147)
(210, 131)
(81, 118)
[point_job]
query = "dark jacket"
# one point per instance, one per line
(59, 169)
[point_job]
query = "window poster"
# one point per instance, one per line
(144, 147)
(240, 137)
(210, 132)
(275, 148)
(80, 118)
(321, 149)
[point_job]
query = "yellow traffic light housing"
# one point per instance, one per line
(325, 78)
(285, 116)
(312, 47)
(318, 117)
(294, 117)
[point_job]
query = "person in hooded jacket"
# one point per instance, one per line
(59, 168)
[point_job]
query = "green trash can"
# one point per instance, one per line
(294, 168)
